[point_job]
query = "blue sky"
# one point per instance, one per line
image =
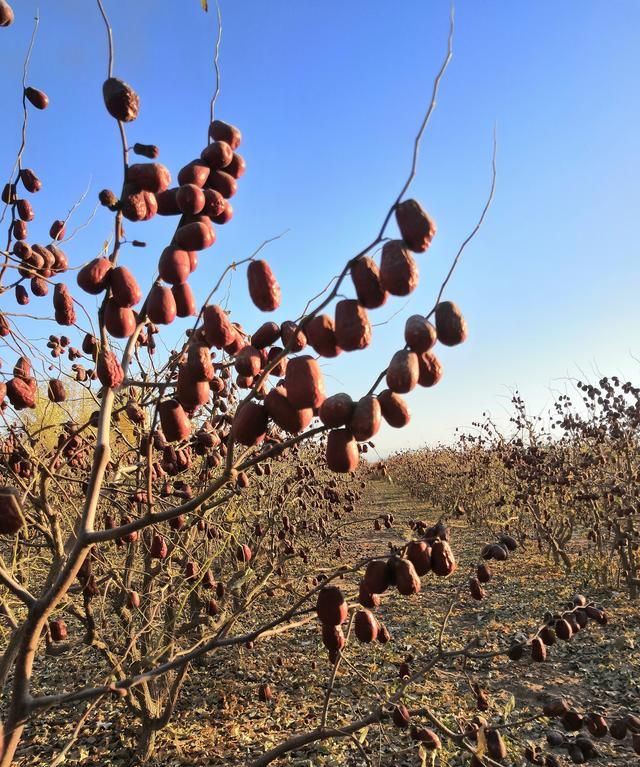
(329, 96)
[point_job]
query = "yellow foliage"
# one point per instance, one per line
(41, 422)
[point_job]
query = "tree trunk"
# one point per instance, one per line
(146, 743)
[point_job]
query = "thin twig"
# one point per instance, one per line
(332, 679)
(216, 64)
(425, 121)
(61, 757)
(476, 228)
(110, 38)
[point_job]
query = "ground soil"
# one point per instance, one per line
(220, 721)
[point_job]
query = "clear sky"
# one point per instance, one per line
(329, 96)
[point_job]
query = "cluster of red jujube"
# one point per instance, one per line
(431, 552)
(300, 394)
(36, 264)
(201, 199)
